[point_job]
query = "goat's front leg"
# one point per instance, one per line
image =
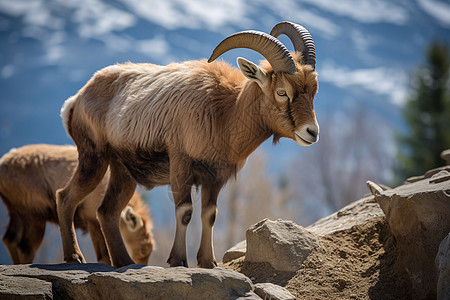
(31, 240)
(23, 237)
(181, 181)
(13, 236)
(205, 255)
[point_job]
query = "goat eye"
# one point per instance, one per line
(281, 93)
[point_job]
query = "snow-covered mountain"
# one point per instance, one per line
(366, 51)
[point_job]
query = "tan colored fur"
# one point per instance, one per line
(184, 124)
(29, 178)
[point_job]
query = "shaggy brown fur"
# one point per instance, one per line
(183, 124)
(29, 178)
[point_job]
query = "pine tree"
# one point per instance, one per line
(427, 114)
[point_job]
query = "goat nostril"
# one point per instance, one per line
(311, 132)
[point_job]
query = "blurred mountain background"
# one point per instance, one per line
(366, 54)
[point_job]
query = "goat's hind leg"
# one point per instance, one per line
(98, 241)
(120, 190)
(89, 172)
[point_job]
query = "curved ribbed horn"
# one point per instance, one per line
(268, 46)
(301, 39)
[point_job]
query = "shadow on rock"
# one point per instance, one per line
(89, 267)
(388, 285)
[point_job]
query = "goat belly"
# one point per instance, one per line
(210, 172)
(148, 168)
(152, 168)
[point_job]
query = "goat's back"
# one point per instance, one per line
(149, 106)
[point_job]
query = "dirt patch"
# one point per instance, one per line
(358, 263)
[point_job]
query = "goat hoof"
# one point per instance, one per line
(177, 263)
(123, 263)
(207, 264)
(75, 259)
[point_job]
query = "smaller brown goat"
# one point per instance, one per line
(29, 178)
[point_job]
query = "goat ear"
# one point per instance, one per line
(252, 72)
(131, 219)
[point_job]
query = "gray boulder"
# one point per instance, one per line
(356, 213)
(419, 217)
(173, 283)
(443, 266)
(273, 292)
(283, 244)
(235, 252)
(68, 281)
(445, 155)
(22, 287)
(428, 174)
(98, 281)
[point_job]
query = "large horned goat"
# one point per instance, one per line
(184, 124)
(29, 178)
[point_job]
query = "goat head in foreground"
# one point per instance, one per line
(184, 124)
(29, 178)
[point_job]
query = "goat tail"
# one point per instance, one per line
(66, 113)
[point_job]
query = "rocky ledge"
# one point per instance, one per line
(99, 281)
(393, 244)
